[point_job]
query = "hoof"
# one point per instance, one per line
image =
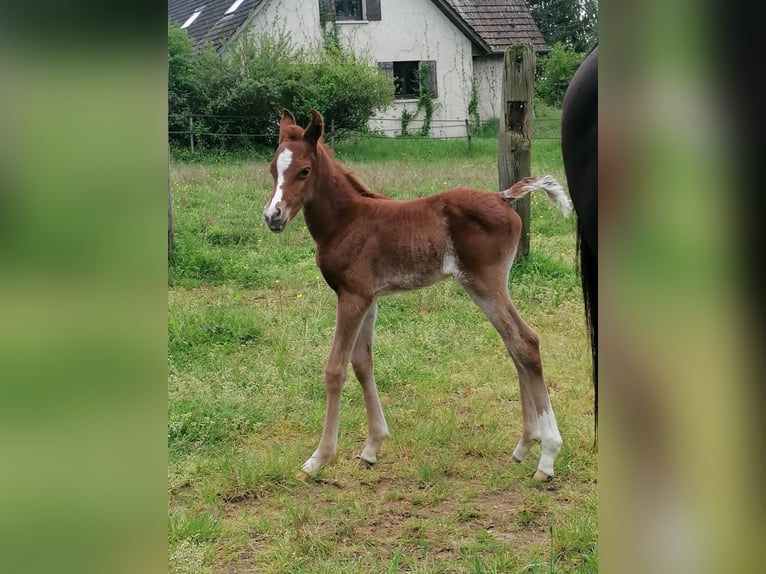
(541, 476)
(302, 476)
(363, 463)
(515, 458)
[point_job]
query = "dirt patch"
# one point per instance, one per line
(371, 515)
(504, 517)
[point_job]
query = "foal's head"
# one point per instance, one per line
(292, 169)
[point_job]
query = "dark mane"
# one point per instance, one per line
(355, 182)
(359, 187)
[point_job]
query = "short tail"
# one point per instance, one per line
(546, 183)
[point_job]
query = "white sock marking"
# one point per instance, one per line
(550, 440)
(283, 162)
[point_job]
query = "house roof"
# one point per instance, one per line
(213, 24)
(491, 25)
(497, 23)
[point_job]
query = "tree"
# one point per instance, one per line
(554, 73)
(572, 23)
(181, 78)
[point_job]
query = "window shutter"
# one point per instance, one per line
(373, 9)
(387, 68)
(432, 84)
(329, 8)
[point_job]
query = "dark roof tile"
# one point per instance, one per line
(498, 23)
(213, 24)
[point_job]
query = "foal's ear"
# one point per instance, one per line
(314, 129)
(288, 119)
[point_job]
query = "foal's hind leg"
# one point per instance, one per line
(530, 431)
(491, 295)
(361, 360)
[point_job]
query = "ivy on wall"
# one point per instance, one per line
(425, 103)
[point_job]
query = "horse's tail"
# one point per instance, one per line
(546, 183)
(589, 279)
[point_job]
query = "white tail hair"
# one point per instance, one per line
(546, 183)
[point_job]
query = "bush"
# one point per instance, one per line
(555, 72)
(183, 95)
(255, 79)
(247, 88)
(346, 90)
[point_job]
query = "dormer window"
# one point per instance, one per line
(233, 7)
(190, 20)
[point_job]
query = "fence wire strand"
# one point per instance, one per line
(390, 133)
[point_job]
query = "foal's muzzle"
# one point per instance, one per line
(274, 220)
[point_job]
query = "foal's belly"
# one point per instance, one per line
(408, 279)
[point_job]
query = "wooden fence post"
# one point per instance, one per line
(332, 133)
(515, 144)
(191, 133)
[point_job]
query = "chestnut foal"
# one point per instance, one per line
(368, 245)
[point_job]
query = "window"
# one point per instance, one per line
(233, 7)
(348, 9)
(192, 18)
(406, 81)
(406, 76)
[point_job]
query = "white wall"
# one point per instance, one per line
(488, 71)
(417, 30)
(298, 17)
(408, 30)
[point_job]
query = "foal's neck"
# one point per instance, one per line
(332, 200)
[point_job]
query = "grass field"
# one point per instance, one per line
(250, 324)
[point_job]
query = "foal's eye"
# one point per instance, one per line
(304, 173)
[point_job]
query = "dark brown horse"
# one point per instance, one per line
(579, 149)
(368, 245)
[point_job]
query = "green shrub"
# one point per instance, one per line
(473, 109)
(343, 87)
(555, 71)
(254, 79)
(182, 91)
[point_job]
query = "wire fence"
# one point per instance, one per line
(545, 128)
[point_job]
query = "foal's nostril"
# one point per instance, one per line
(277, 212)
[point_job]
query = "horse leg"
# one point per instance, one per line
(531, 427)
(361, 361)
(522, 344)
(351, 312)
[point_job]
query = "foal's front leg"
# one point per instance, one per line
(351, 311)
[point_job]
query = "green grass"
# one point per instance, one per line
(375, 149)
(249, 327)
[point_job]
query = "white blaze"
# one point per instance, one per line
(283, 162)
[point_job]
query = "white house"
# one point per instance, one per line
(460, 41)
